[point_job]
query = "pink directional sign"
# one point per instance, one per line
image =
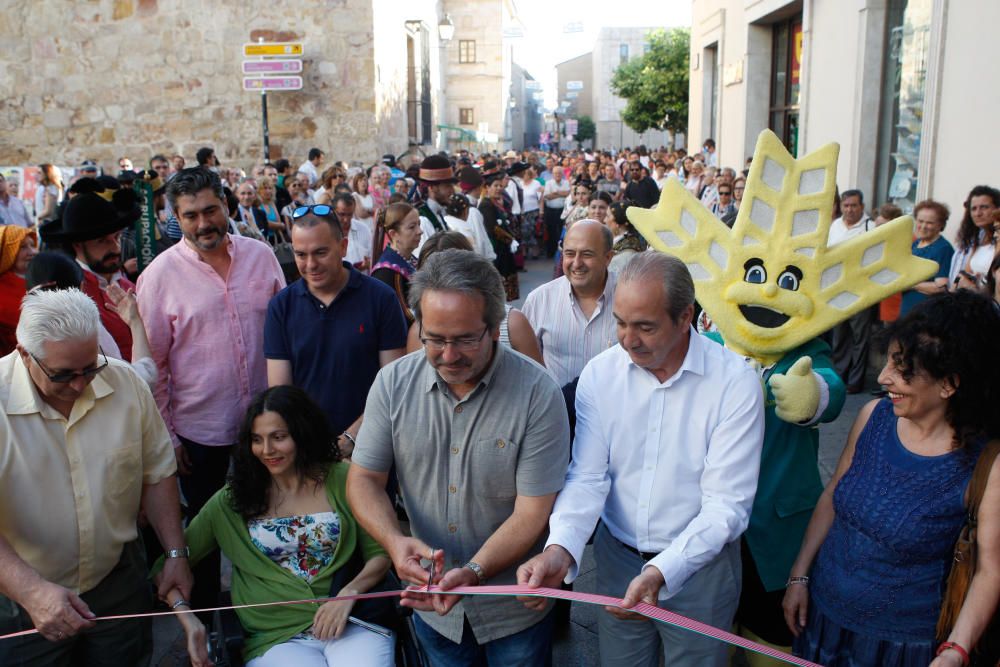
(272, 66)
(273, 83)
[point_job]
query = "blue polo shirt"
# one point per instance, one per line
(334, 349)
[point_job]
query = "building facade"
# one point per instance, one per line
(901, 85)
(477, 73)
(585, 88)
(140, 77)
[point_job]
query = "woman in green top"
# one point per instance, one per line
(284, 522)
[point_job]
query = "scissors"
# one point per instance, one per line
(430, 570)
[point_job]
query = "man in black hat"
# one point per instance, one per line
(437, 185)
(90, 230)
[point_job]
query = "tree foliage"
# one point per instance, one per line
(655, 85)
(586, 130)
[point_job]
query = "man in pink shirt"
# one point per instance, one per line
(204, 301)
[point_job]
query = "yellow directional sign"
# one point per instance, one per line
(273, 49)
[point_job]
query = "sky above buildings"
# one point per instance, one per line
(546, 42)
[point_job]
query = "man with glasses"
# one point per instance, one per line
(641, 190)
(724, 208)
(81, 447)
(479, 439)
(331, 332)
(203, 302)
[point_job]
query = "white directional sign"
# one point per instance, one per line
(572, 95)
(533, 85)
(273, 83)
(290, 66)
(574, 85)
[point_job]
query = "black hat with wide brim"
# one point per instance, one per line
(86, 217)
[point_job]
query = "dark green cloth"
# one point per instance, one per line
(789, 483)
(256, 578)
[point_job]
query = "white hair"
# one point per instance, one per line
(53, 316)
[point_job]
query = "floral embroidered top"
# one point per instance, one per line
(303, 545)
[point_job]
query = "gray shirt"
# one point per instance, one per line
(462, 463)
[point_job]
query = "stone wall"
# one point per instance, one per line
(102, 78)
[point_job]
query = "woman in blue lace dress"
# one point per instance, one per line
(867, 586)
(284, 522)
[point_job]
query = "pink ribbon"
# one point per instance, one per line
(644, 609)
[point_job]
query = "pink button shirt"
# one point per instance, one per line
(207, 336)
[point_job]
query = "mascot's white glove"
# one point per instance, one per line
(796, 393)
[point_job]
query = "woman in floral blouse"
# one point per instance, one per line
(284, 522)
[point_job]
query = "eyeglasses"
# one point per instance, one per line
(315, 209)
(69, 376)
(463, 344)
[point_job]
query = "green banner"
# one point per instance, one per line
(145, 226)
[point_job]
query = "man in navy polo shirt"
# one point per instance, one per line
(330, 332)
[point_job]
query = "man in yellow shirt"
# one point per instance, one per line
(82, 447)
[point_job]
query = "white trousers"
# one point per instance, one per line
(356, 647)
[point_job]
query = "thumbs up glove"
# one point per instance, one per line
(796, 393)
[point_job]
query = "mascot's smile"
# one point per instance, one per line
(763, 316)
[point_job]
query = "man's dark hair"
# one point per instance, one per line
(203, 154)
(709, 143)
(315, 448)
(312, 219)
(191, 181)
(852, 193)
(158, 157)
(342, 197)
(282, 165)
(315, 153)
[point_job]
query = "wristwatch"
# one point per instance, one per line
(178, 553)
(478, 570)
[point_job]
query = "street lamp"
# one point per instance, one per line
(446, 28)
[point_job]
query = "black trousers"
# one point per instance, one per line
(553, 227)
(121, 643)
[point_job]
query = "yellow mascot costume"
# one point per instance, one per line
(771, 285)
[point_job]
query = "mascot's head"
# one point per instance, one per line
(772, 283)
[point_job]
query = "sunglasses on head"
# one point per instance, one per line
(315, 209)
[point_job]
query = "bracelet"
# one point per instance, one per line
(354, 443)
(797, 580)
(957, 648)
(178, 553)
(180, 603)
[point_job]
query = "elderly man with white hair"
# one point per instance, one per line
(82, 448)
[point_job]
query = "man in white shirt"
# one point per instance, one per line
(667, 454)
(556, 190)
(311, 166)
(852, 337)
(357, 233)
(572, 315)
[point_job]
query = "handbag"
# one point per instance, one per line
(963, 568)
(282, 247)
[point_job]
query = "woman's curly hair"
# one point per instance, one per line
(315, 448)
(954, 336)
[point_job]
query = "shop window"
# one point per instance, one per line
(786, 68)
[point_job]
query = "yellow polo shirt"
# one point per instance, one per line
(70, 488)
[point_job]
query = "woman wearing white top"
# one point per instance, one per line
(975, 244)
(364, 203)
(50, 192)
(532, 192)
(458, 218)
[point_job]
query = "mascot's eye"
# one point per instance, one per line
(755, 272)
(790, 278)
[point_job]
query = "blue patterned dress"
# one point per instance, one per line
(879, 577)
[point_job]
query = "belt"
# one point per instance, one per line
(645, 555)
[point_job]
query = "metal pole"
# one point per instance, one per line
(263, 118)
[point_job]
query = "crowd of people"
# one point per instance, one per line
(321, 377)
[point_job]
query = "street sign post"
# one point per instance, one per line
(270, 61)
